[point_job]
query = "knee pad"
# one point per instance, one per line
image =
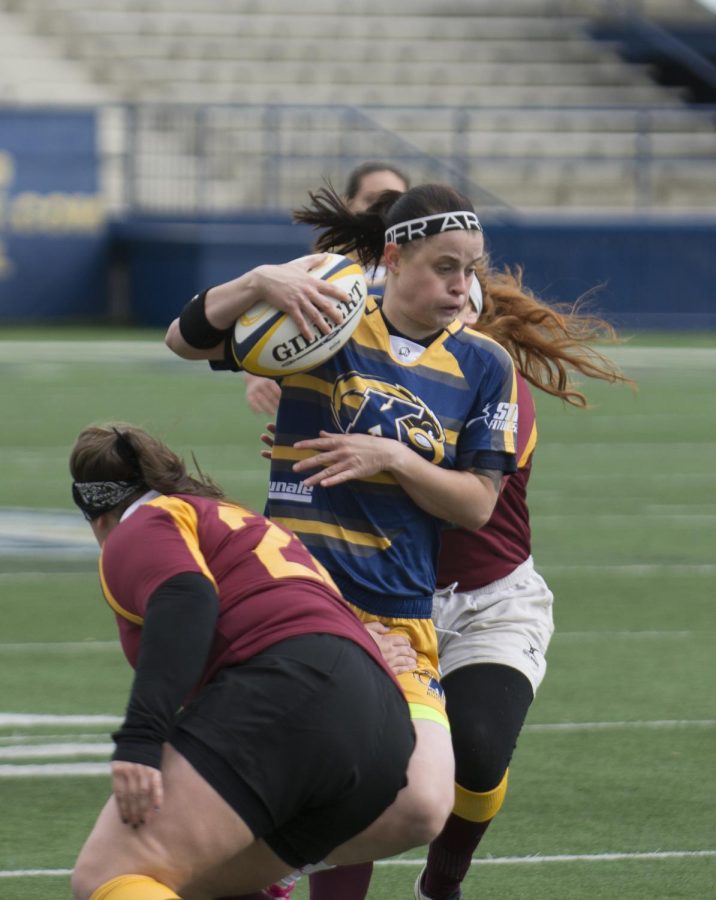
(486, 705)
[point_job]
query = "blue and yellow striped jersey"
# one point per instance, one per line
(455, 405)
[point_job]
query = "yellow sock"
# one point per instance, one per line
(133, 887)
(476, 807)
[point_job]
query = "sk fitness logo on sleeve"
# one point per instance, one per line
(503, 419)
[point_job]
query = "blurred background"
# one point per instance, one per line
(149, 148)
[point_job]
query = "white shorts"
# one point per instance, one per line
(508, 622)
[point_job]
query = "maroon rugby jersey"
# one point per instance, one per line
(269, 586)
(477, 558)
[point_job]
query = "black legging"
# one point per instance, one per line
(486, 706)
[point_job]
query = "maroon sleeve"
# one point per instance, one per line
(142, 553)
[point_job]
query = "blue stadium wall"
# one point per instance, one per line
(54, 238)
(61, 260)
(647, 274)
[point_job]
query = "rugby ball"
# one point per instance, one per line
(266, 341)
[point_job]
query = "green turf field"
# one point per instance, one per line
(613, 784)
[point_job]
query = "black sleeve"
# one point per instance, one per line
(177, 635)
(228, 363)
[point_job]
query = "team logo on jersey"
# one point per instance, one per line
(369, 406)
(504, 418)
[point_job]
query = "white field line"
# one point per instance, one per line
(55, 770)
(488, 861)
(564, 857)
(47, 751)
(28, 719)
(14, 720)
(16, 739)
(92, 769)
(619, 726)
(18, 751)
(35, 873)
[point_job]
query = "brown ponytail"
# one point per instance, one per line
(122, 452)
(363, 233)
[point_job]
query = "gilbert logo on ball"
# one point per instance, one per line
(267, 341)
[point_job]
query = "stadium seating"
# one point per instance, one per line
(33, 70)
(516, 97)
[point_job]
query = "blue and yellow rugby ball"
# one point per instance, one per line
(267, 341)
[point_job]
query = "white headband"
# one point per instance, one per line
(403, 232)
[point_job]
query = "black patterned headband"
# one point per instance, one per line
(403, 232)
(97, 497)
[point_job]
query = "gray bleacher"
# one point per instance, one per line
(514, 99)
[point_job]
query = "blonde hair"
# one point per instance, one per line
(546, 341)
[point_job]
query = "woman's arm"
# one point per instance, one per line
(289, 287)
(465, 498)
(176, 637)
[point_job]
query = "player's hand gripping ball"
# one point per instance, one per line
(267, 341)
